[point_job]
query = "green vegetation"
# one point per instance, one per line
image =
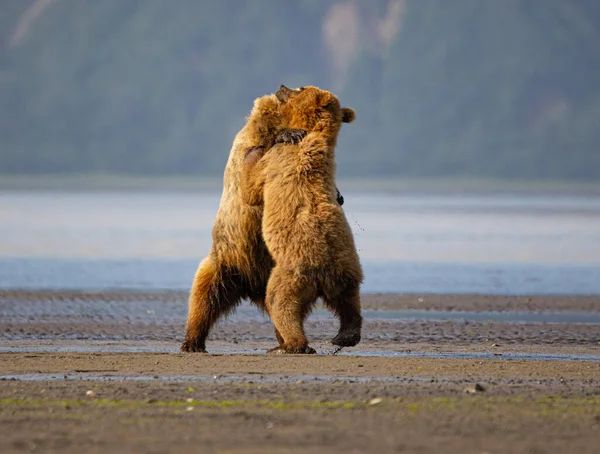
(539, 405)
(221, 404)
(461, 89)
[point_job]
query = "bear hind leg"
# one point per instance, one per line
(260, 302)
(214, 293)
(279, 337)
(289, 299)
(345, 303)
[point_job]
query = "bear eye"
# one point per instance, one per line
(301, 89)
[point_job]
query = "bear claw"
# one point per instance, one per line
(189, 347)
(339, 197)
(292, 351)
(290, 136)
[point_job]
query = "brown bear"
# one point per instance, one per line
(305, 230)
(238, 265)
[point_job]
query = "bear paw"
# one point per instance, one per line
(339, 197)
(289, 350)
(290, 136)
(346, 339)
(190, 346)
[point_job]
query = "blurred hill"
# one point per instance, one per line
(468, 88)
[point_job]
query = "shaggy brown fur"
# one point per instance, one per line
(238, 265)
(305, 230)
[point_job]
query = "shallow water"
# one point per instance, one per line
(415, 244)
(484, 316)
(380, 276)
(357, 351)
(253, 378)
(160, 312)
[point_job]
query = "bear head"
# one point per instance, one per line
(305, 107)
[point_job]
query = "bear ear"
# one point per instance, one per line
(348, 115)
(284, 93)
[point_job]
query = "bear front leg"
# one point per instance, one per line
(290, 136)
(252, 178)
(213, 294)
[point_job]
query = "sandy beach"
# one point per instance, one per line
(101, 372)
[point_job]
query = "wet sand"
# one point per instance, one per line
(404, 388)
(467, 302)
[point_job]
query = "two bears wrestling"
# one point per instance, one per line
(281, 238)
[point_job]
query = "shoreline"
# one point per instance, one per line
(382, 301)
(392, 185)
(391, 323)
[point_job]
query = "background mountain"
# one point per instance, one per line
(468, 88)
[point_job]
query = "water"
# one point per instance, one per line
(407, 244)
(161, 312)
(237, 351)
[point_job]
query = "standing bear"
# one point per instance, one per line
(239, 264)
(304, 228)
